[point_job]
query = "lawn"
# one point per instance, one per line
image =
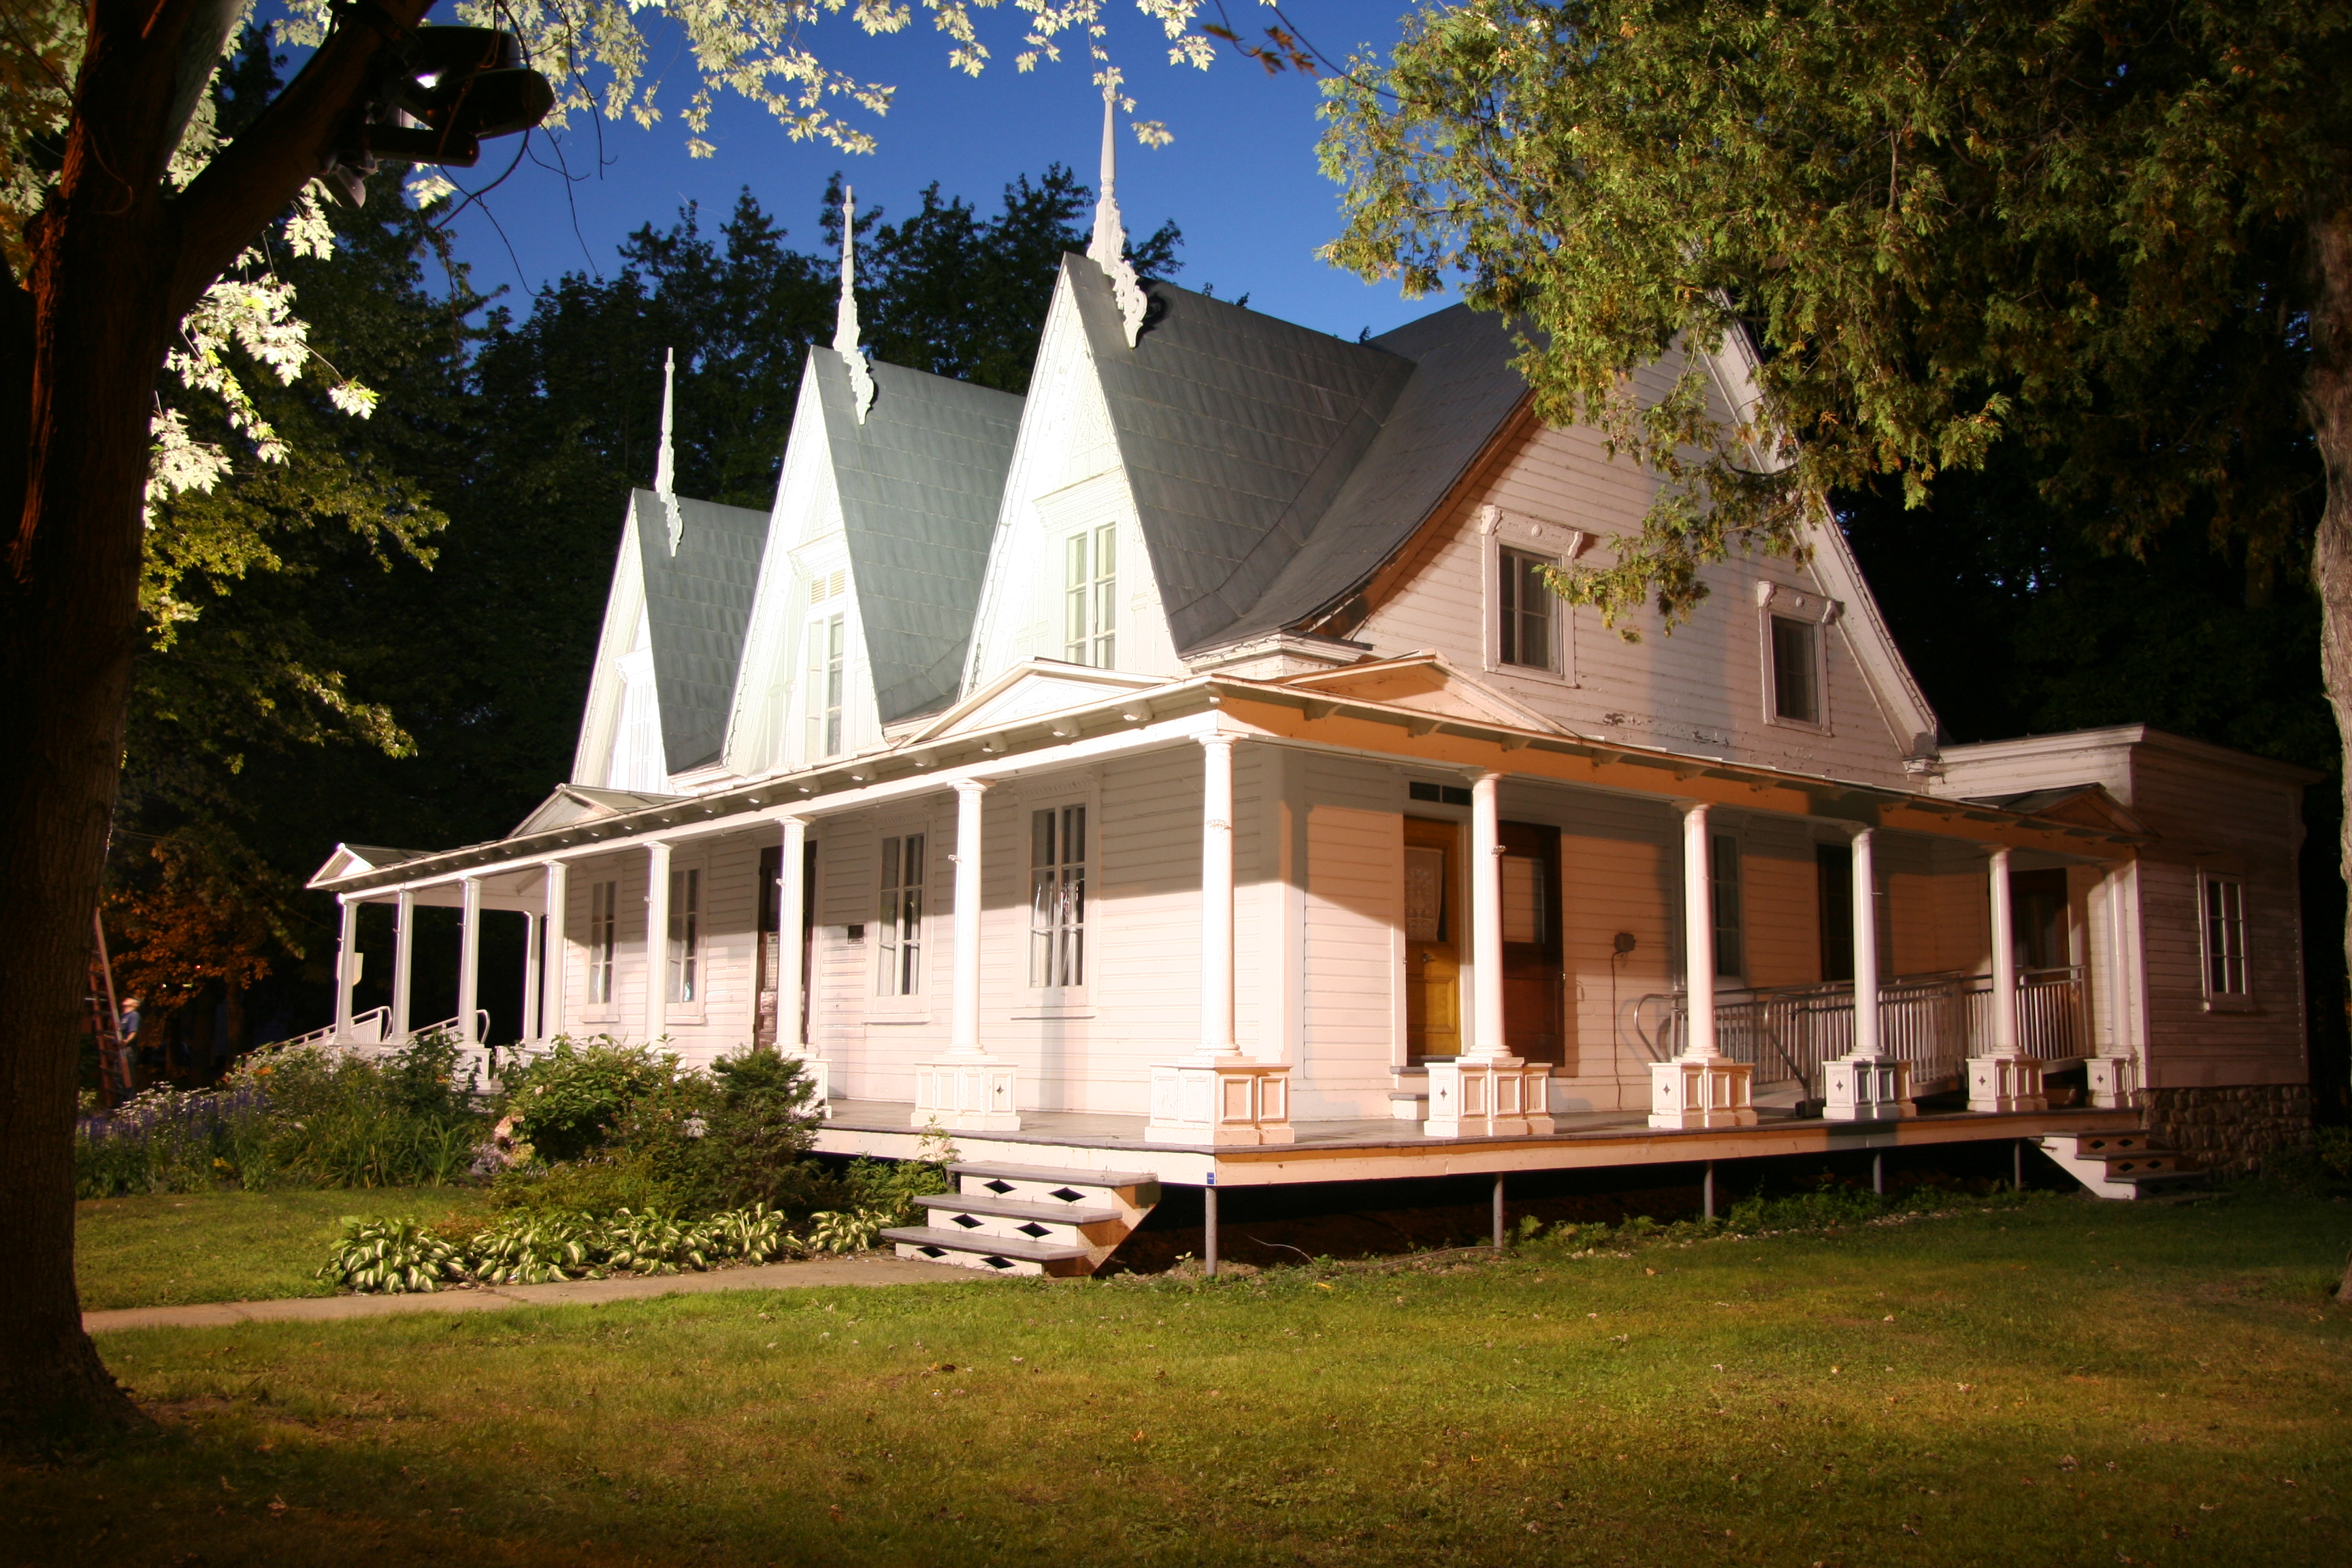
(2065, 1382)
(181, 1248)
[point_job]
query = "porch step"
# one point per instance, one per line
(1000, 1254)
(1029, 1219)
(2125, 1165)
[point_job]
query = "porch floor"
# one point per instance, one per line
(1383, 1148)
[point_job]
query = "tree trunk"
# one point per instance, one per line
(115, 266)
(2329, 404)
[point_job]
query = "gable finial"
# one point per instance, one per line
(845, 320)
(1108, 249)
(665, 469)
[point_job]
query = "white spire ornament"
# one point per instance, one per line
(664, 460)
(844, 321)
(1108, 250)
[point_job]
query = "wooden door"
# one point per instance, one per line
(1534, 982)
(770, 934)
(1433, 954)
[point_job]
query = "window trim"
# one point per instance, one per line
(692, 873)
(1718, 837)
(915, 1005)
(1778, 601)
(1056, 1001)
(1101, 635)
(1555, 543)
(592, 1008)
(2210, 879)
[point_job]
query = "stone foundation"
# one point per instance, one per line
(2229, 1128)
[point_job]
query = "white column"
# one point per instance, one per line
(557, 963)
(2114, 1074)
(1698, 933)
(1865, 900)
(964, 1022)
(657, 1013)
(2004, 961)
(1217, 896)
(469, 960)
(2005, 1079)
(404, 964)
(534, 929)
(346, 950)
(1487, 1035)
(1701, 1087)
(1867, 1085)
(789, 952)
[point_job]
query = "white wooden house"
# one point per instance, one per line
(1179, 775)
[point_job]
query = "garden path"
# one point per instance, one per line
(570, 1292)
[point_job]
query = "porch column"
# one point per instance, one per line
(1487, 1092)
(2114, 1075)
(534, 928)
(556, 964)
(1220, 1095)
(657, 1015)
(966, 1090)
(469, 960)
(1701, 1087)
(2003, 1079)
(1217, 895)
(792, 961)
(403, 963)
(1865, 1084)
(347, 951)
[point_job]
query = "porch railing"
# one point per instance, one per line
(1932, 1021)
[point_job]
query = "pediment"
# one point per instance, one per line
(1031, 690)
(583, 803)
(2075, 806)
(1425, 682)
(358, 861)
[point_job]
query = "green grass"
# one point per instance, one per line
(179, 1250)
(2068, 1383)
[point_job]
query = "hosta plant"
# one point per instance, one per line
(854, 1231)
(534, 1249)
(390, 1257)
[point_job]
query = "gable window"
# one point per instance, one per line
(1796, 671)
(685, 935)
(1058, 897)
(1730, 938)
(2225, 938)
(901, 971)
(1089, 599)
(828, 644)
(1525, 603)
(604, 900)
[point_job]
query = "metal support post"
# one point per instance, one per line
(2017, 1166)
(1208, 1229)
(1710, 1189)
(1499, 1214)
(1878, 1172)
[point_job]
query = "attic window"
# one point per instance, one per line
(1524, 601)
(1090, 599)
(1796, 671)
(833, 588)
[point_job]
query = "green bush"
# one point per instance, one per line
(567, 1102)
(391, 1256)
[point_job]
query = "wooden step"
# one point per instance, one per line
(1019, 1208)
(997, 1254)
(975, 1177)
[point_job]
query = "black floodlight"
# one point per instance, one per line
(446, 90)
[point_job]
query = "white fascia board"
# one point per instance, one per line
(625, 606)
(2126, 737)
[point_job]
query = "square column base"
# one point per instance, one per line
(1867, 1089)
(2005, 1083)
(820, 1076)
(965, 1094)
(1488, 1097)
(2114, 1082)
(1221, 1101)
(1701, 1092)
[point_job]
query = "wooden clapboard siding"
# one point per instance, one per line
(1351, 1015)
(1149, 858)
(1620, 870)
(840, 971)
(1781, 921)
(625, 1017)
(722, 1024)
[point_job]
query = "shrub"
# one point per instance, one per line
(391, 1256)
(535, 1248)
(568, 1101)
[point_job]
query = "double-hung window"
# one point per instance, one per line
(828, 648)
(685, 935)
(2226, 979)
(1796, 671)
(1525, 603)
(1058, 897)
(604, 899)
(901, 963)
(1089, 596)
(1730, 935)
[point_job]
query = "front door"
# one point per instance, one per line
(1432, 958)
(771, 934)
(1534, 977)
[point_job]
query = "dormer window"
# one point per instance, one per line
(1089, 597)
(828, 646)
(1525, 603)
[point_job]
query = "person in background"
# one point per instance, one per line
(126, 1033)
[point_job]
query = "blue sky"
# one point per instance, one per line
(1240, 179)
